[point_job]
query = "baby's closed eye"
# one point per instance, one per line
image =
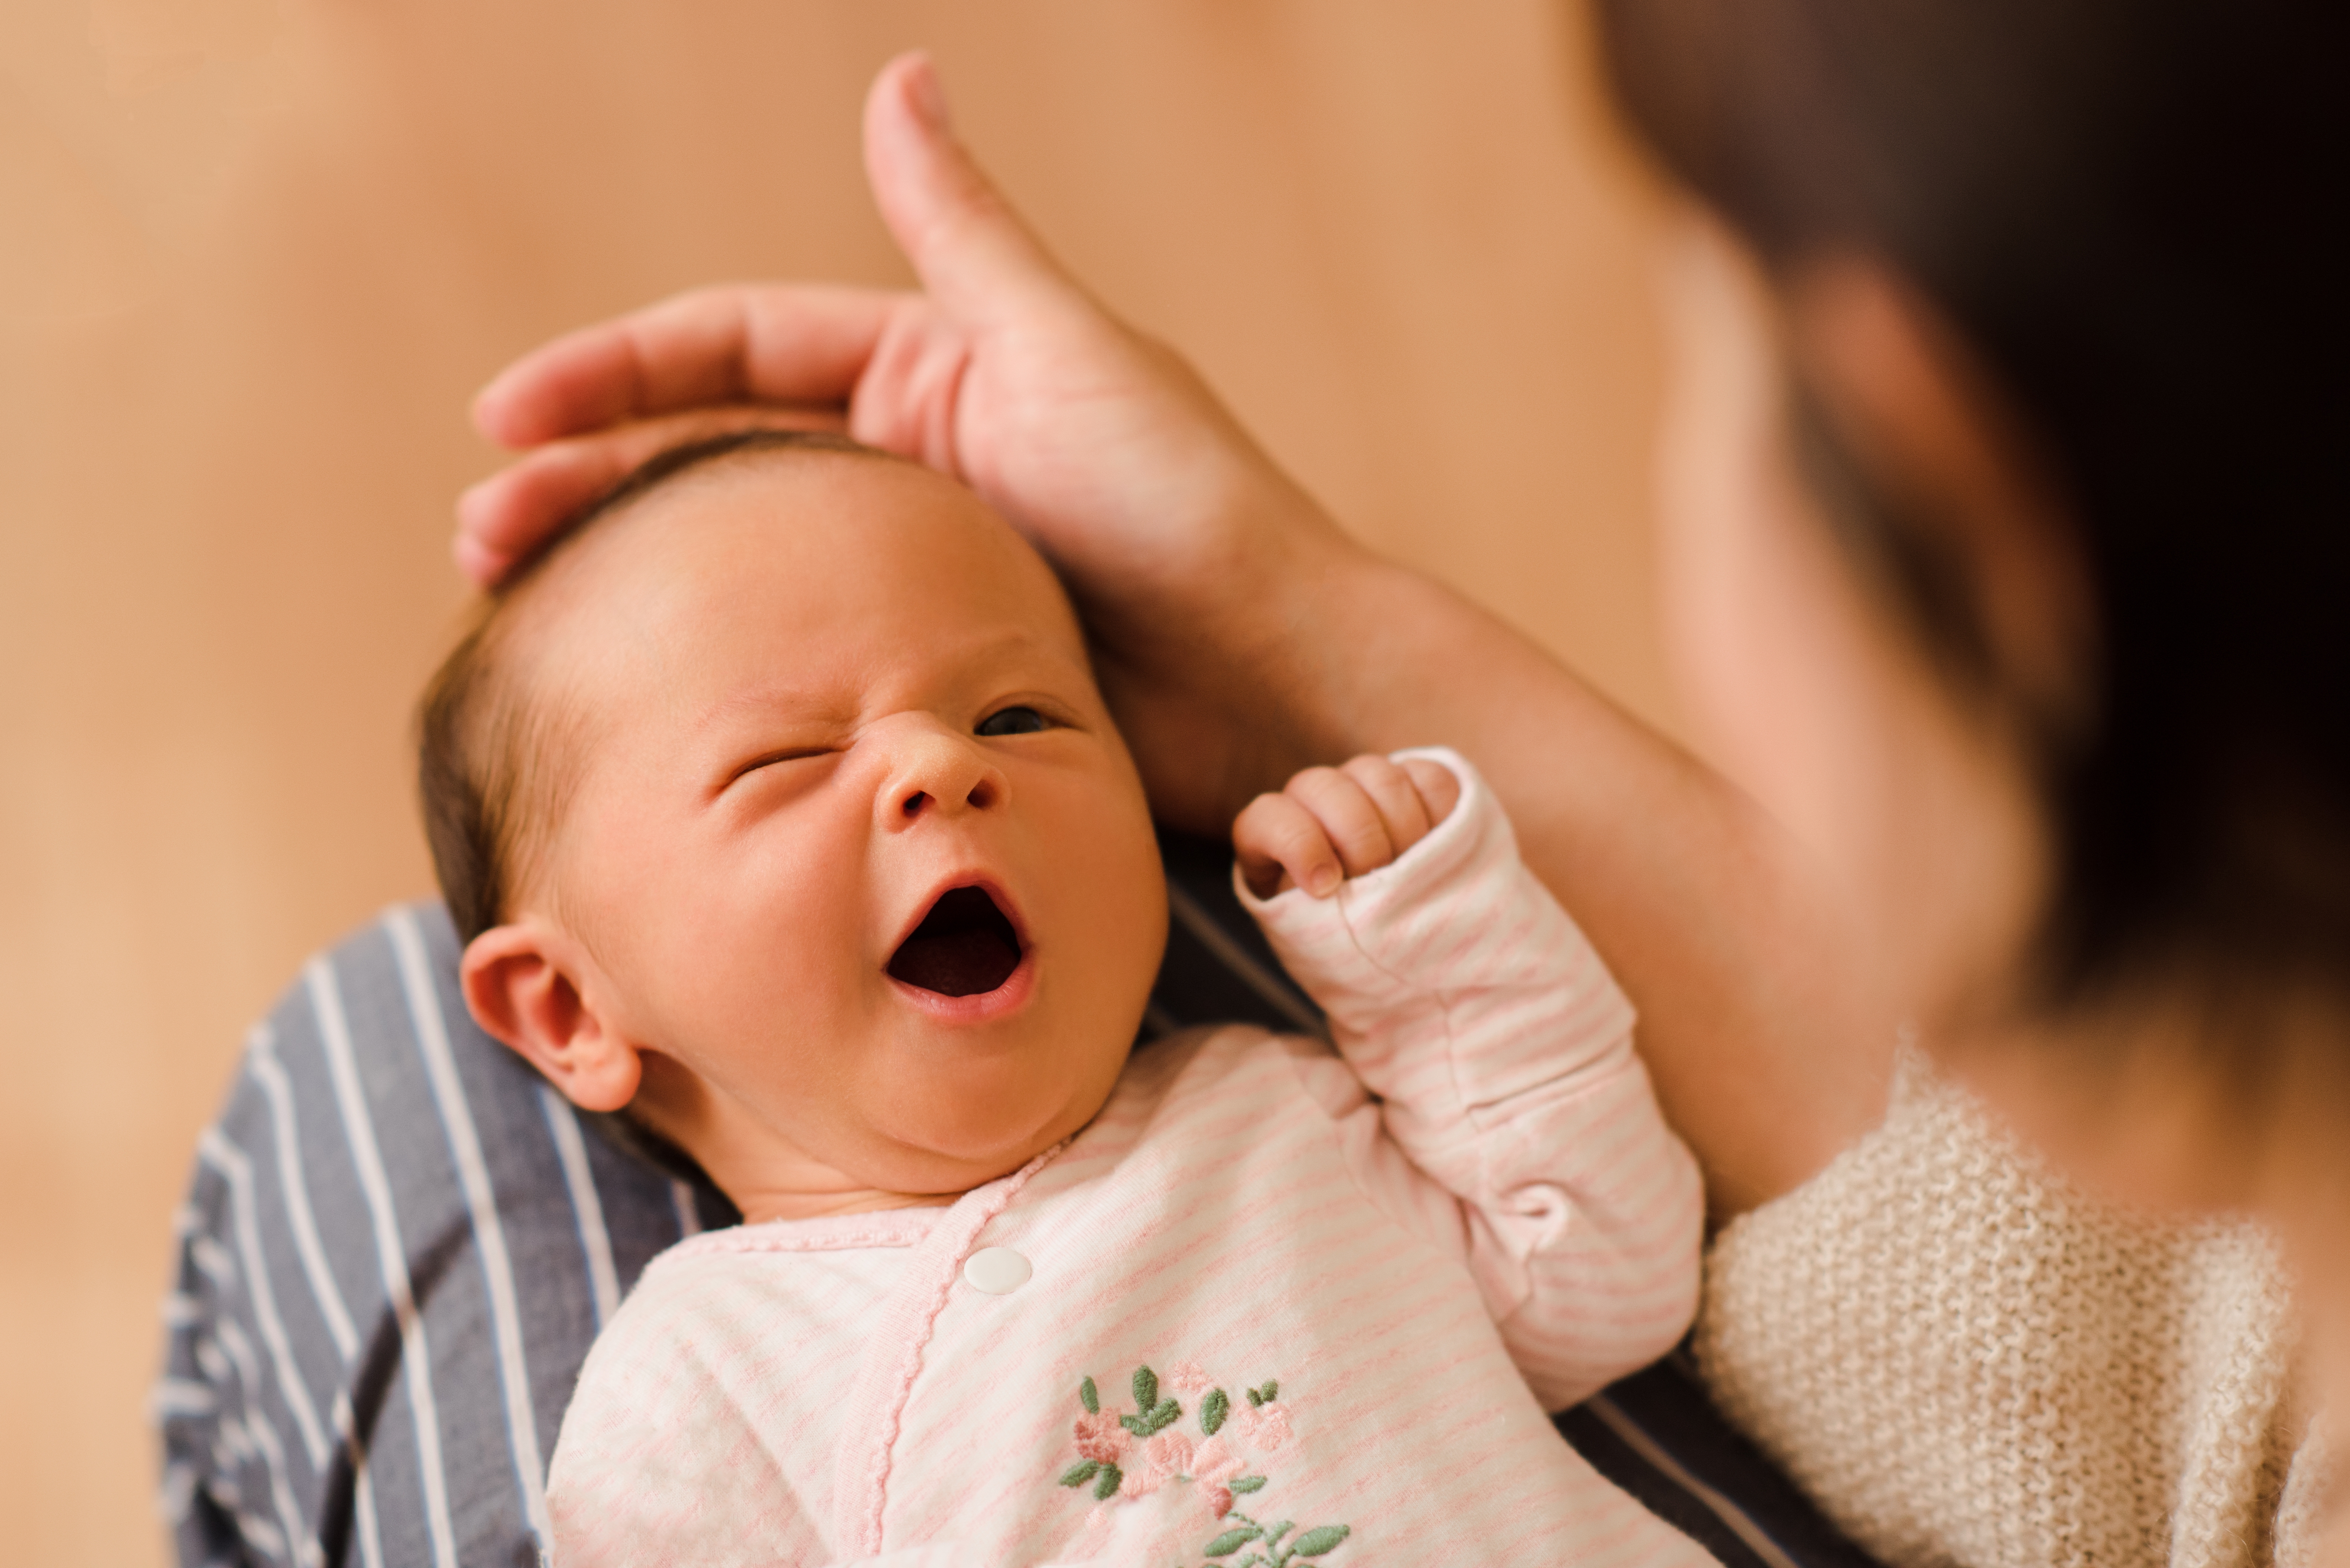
(780, 755)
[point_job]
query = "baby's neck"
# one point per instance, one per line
(758, 1208)
(764, 1177)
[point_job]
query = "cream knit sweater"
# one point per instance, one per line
(1964, 1361)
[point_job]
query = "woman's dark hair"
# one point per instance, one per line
(2131, 211)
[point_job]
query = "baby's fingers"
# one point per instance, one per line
(1280, 844)
(1395, 795)
(1348, 811)
(1439, 787)
(1330, 824)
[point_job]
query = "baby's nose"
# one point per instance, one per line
(933, 771)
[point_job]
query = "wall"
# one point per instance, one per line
(254, 257)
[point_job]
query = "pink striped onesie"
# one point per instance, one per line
(1273, 1304)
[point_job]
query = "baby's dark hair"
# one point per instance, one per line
(488, 795)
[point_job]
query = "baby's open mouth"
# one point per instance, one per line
(965, 947)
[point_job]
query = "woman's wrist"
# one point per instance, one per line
(1215, 659)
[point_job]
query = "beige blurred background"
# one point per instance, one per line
(255, 255)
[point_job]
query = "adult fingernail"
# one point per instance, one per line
(926, 98)
(474, 562)
(473, 505)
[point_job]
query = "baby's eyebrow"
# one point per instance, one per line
(837, 705)
(812, 707)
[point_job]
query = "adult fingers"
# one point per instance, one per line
(1346, 816)
(1439, 787)
(973, 253)
(779, 343)
(1278, 842)
(798, 343)
(502, 521)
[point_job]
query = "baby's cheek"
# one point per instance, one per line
(755, 949)
(1112, 891)
(1132, 883)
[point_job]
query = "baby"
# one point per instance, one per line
(781, 812)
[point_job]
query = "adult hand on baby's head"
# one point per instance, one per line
(1331, 824)
(1172, 530)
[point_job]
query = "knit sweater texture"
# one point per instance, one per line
(1965, 1360)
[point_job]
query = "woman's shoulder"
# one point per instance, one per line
(1938, 1333)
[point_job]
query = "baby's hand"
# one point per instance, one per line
(1331, 824)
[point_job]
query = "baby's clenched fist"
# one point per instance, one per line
(1331, 824)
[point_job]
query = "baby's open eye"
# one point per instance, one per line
(1013, 722)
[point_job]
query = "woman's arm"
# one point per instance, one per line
(1757, 1040)
(1240, 633)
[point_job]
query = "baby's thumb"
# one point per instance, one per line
(973, 253)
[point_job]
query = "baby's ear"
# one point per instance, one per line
(521, 985)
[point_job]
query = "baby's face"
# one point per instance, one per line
(855, 843)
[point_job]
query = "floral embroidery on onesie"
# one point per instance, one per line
(1156, 1452)
(1250, 1270)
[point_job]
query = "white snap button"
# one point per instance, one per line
(998, 1270)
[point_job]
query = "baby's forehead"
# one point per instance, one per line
(825, 539)
(828, 509)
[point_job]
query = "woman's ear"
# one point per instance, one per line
(522, 984)
(1930, 426)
